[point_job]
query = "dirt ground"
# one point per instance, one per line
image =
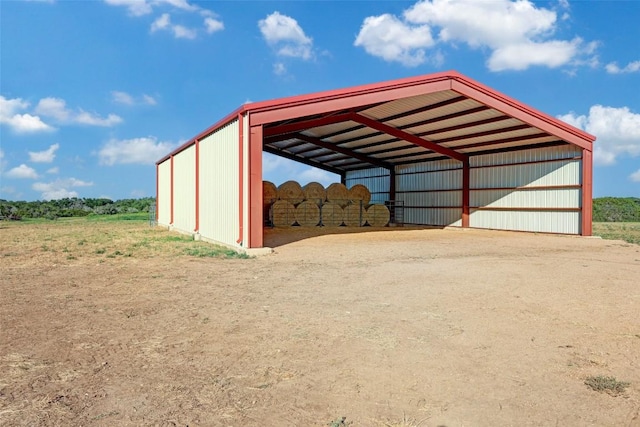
(111, 324)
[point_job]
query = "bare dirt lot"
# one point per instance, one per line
(116, 323)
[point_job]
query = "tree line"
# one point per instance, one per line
(72, 207)
(605, 209)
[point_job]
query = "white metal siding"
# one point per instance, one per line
(219, 185)
(184, 190)
(426, 190)
(375, 179)
(500, 184)
(164, 193)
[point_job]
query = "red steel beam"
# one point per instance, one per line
(306, 124)
(171, 193)
(407, 137)
(240, 179)
(256, 208)
(157, 191)
(345, 151)
(587, 193)
(197, 227)
(466, 175)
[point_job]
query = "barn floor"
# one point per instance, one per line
(436, 327)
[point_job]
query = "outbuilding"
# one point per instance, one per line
(453, 151)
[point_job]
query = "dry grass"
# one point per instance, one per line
(609, 385)
(627, 231)
(76, 240)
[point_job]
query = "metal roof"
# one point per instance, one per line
(401, 122)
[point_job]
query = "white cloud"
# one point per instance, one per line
(517, 33)
(213, 25)
(135, 7)
(279, 69)
(285, 35)
(278, 169)
(46, 156)
(54, 170)
(22, 172)
(124, 98)
(20, 123)
(389, 38)
(60, 188)
(56, 108)
(162, 23)
(635, 177)
(179, 31)
(137, 150)
(617, 130)
(631, 67)
(310, 174)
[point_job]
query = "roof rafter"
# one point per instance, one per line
(345, 151)
(398, 133)
(303, 160)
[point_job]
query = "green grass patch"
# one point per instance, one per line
(627, 231)
(608, 385)
(139, 216)
(214, 251)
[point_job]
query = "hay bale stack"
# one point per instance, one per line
(308, 214)
(332, 214)
(377, 215)
(283, 213)
(358, 193)
(338, 193)
(291, 191)
(269, 192)
(354, 215)
(315, 191)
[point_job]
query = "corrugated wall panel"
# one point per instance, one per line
(375, 179)
(532, 155)
(507, 183)
(445, 180)
(431, 216)
(544, 222)
(184, 190)
(562, 172)
(432, 198)
(219, 185)
(164, 193)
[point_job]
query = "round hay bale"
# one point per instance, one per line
(283, 213)
(377, 215)
(291, 191)
(308, 214)
(332, 214)
(355, 215)
(314, 191)
(338, 193)
(269, 192)
(360, 192)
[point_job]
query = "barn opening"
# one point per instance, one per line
(452, 151)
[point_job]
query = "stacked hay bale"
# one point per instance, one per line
(313, 205)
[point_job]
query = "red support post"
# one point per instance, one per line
(157, 190)
(465, 192)
(240, 179)
(587, 193)
(197, 148)
(255, 188)
(171, 193)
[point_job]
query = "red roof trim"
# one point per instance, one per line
(465, 86)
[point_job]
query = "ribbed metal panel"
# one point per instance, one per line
(432, 216)
(429, 166)
(375, 179)
(407, 104)
(482, 128)
(531, 155)
(184, 190)
(219, 185)
(436, 112)
(478, 139)
(356, 144)
(562, 172)
(434, 198)
(444, 180)
(327, 129)
(486, 114)
(503, 146)
(544, 198)
(164, 193)
(544, 222)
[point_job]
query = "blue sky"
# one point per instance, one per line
(92, 93)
